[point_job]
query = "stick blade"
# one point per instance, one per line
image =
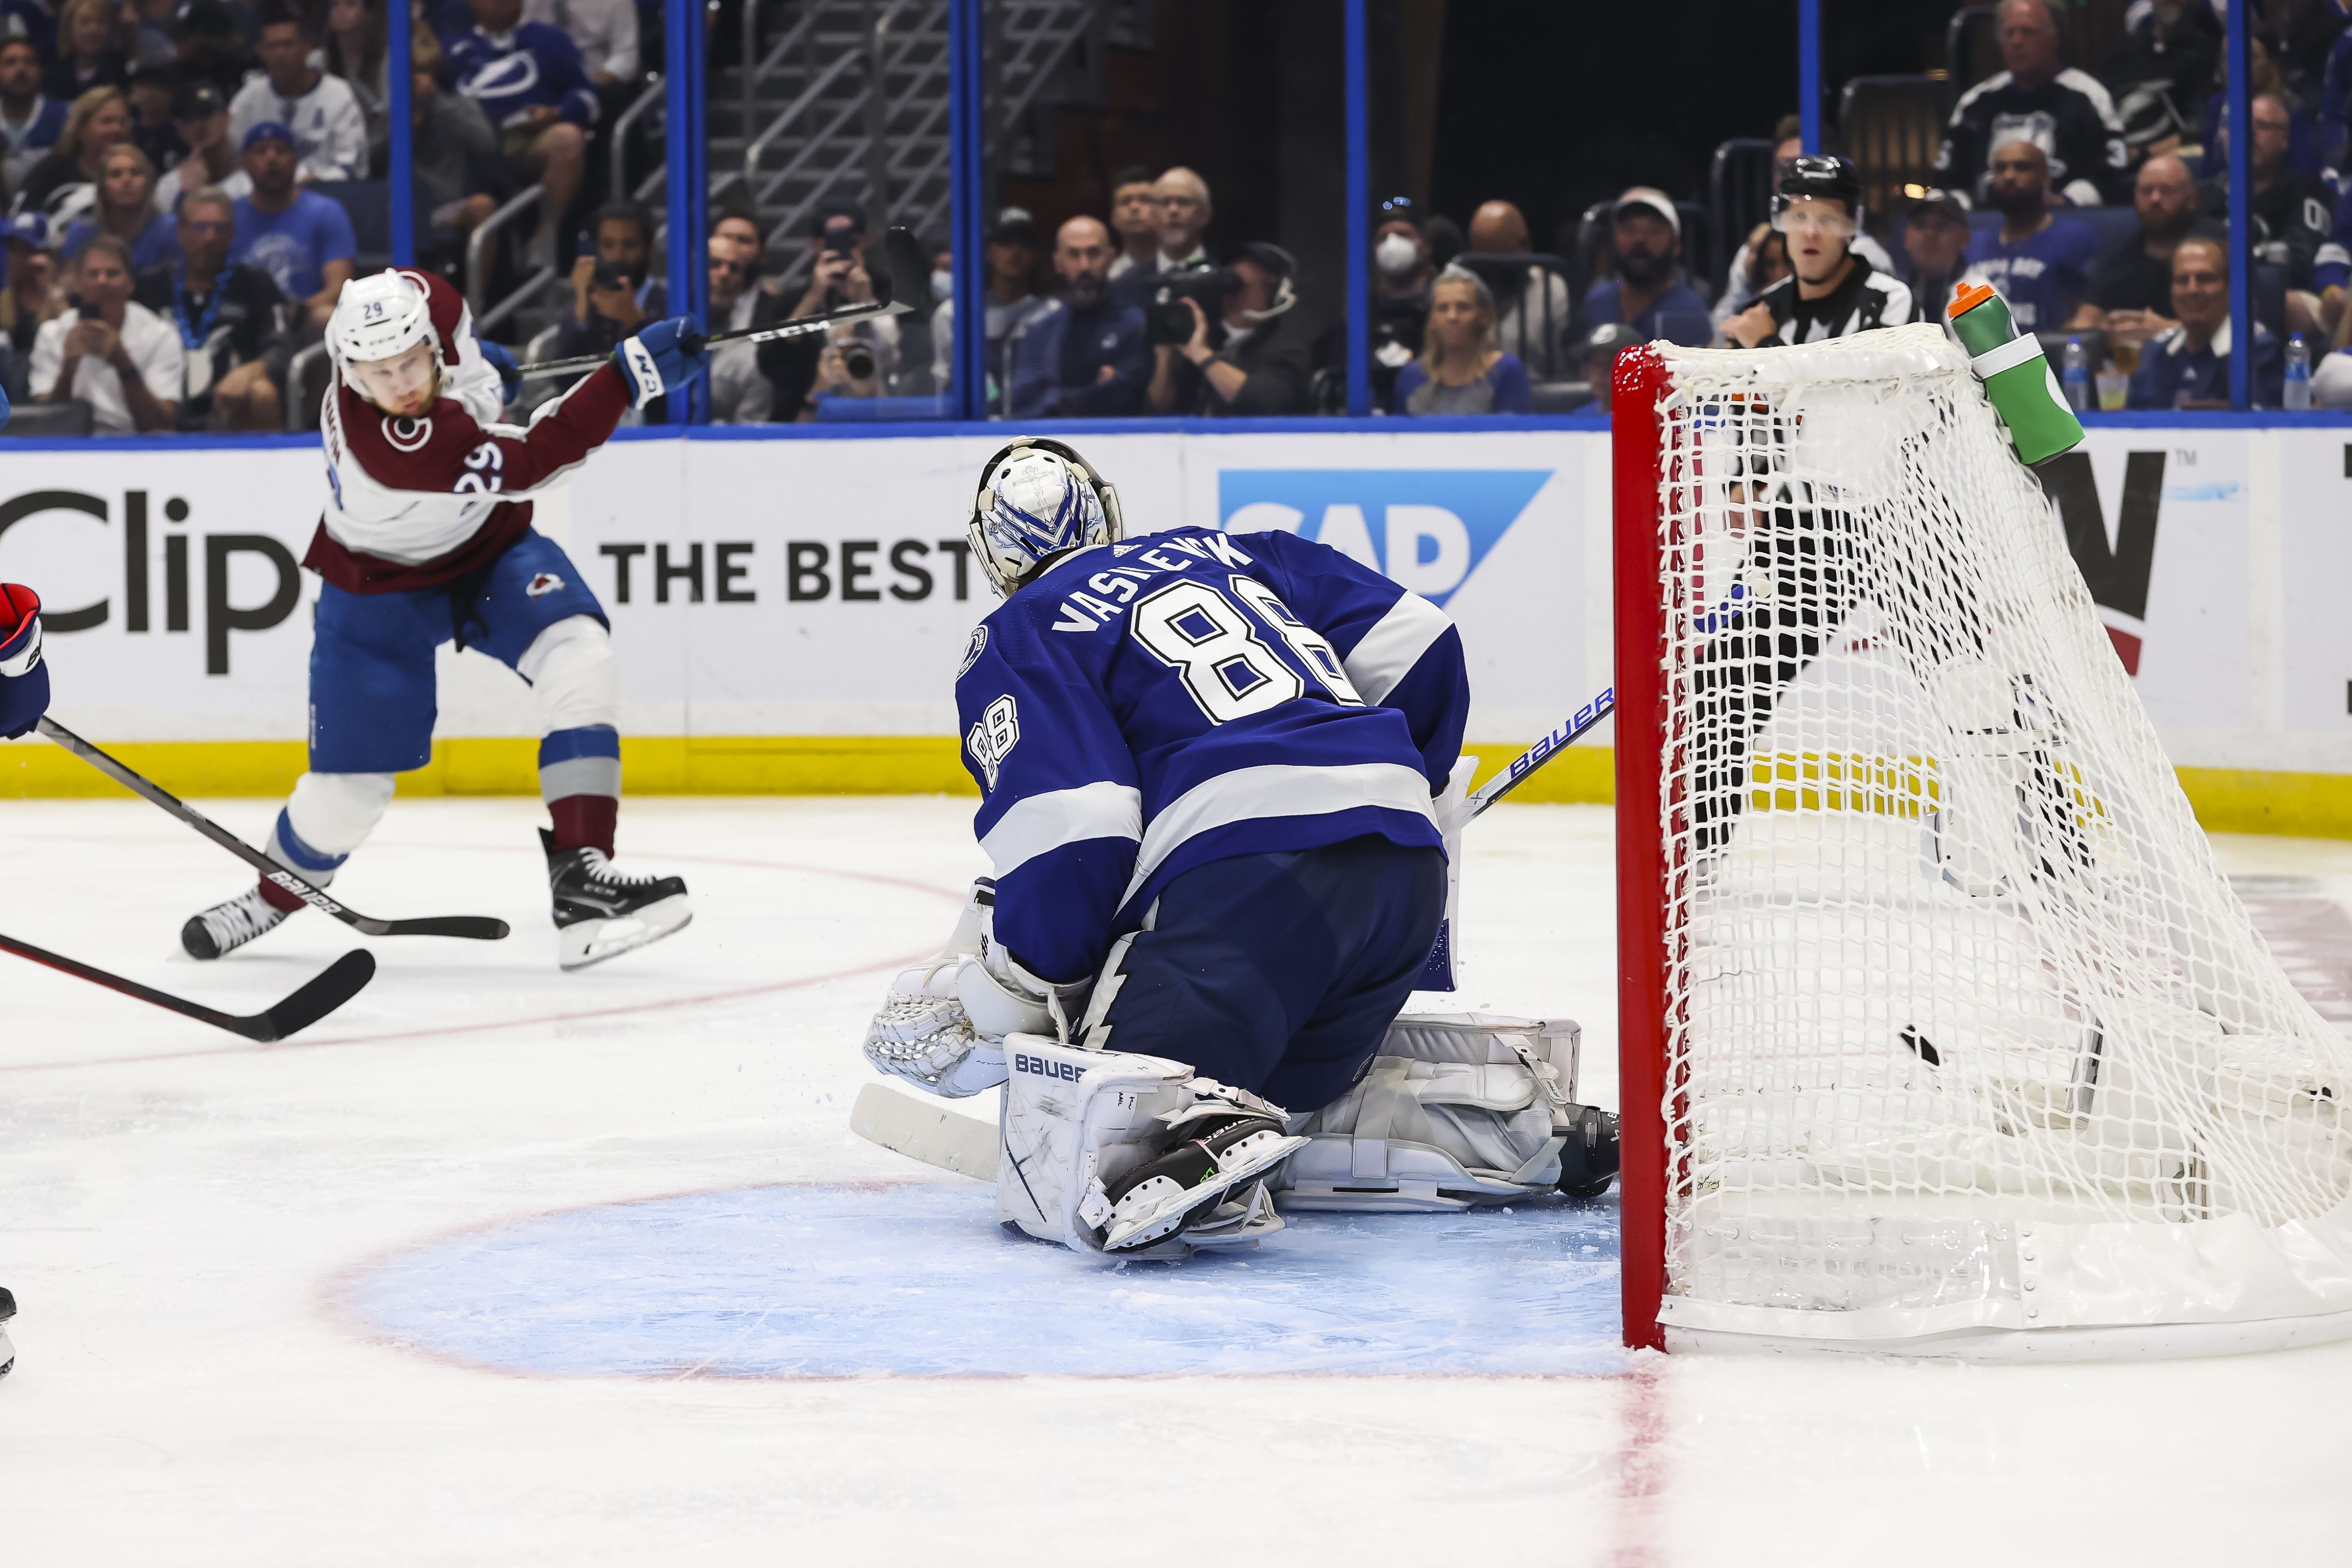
(338, 983)
(927, 1132)
(468, 927)
(909, 274)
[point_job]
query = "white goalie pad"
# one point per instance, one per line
(1075, 1121)
(1455, 1110)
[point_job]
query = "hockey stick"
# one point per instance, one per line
(925, 1130)
(338, 983)
(1523, 765)
(902, 261)
(951, 1141)
(473, 927)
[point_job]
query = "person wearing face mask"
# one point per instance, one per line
(1402, 278)
(2039, 262)
(1648, 293)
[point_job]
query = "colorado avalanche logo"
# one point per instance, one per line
(972, 650)
(408, 434)
(545, 583)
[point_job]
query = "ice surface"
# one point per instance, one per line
(821, 1280)
(206, 1237)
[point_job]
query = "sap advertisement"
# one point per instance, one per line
(800, 587)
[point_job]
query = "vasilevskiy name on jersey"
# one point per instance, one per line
(1189, 695)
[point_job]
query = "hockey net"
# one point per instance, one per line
(1943, 1031)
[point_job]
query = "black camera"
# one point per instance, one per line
(608, 275)
(857, 358)
(1165, 318)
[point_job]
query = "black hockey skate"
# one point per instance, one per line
(1221, 1152)
(7, 1350)
(225, 927)
(600, 915)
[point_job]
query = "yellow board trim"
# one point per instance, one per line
(2236, 800)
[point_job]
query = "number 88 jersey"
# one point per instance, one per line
(1146, 706)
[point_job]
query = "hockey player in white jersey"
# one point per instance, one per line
(1214, 767)
(426, 537)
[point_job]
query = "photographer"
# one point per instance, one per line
(1258, 364)
(855, 357)
(612, 294)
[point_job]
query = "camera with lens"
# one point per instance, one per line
(608, 275)
(857, 360)
(1165, 318)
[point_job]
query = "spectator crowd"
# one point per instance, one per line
(182, 180)
(179, 179)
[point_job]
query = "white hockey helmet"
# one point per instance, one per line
(378, 317)
(1038, 499)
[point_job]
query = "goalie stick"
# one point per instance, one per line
(1566, 734)
(338, 983)
(951, 1141)
(904, 271)
(471, 927)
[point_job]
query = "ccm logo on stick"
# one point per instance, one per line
(1068, 1071)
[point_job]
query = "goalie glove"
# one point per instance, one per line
(942, 1026)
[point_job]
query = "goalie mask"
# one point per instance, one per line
(379, 318)
(1039, 499)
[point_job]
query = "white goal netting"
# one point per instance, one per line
(1964, 1030)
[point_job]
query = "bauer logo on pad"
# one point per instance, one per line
(1424, 529)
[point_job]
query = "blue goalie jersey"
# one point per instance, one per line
(1148, 706)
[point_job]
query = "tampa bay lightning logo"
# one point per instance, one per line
(972, 650)
(509, 77)
(408, 434)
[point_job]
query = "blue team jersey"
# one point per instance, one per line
(2043, 275)
(1148, 706)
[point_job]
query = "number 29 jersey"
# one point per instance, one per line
(1148, 706)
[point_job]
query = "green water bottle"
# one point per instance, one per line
(2016, 375)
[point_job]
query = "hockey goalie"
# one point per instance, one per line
(1218, 774)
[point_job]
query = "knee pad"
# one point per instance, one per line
(575, 679)
(1456, 1110)
(329, 816)
(1075, 1122)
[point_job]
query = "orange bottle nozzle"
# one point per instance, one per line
(1967, 296)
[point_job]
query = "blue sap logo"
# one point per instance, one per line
(1426, 528)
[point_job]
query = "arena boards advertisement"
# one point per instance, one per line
(768, 591)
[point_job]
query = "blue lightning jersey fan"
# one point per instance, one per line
(1145, 707)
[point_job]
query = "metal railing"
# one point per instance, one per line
(478, 265)
(645, 103)
(297, 386)
(869, 105)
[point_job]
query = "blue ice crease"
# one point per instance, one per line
(919, 1280)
